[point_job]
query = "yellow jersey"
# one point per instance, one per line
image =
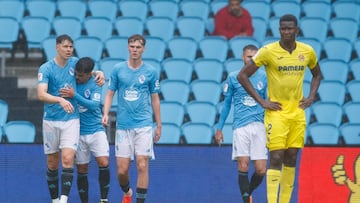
(285, 72)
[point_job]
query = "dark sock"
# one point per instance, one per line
(104, 181)
(255, 181)
(52, 177)
(83, 187)
(243, 182)
(125, 188)
(141, 195)
(66, 180)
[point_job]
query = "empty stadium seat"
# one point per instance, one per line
(353, 88)
(206, 91)
(169, 9)
(336, 70)
(338, 48)
(307, 25)
(100, 27)
(12, 8)
(350, 133)
(200, 9)
(67, 25)
(162, 27)
(170, 134)
(134, 8)
(193, 27)
(172, 112)
(178, 69)
(327, 113)
(352, 112)
(324, 134)
(197, 133)
(87, 46)
(72, 8)
(20, 132)
(355, 69)
(103, 8)
(175, 90)
(183, 48)
(238, 43)
(201, 112)
(312, 8)
(116, 47)
(344, 28)
(332, 91)
(209, 69)
(127, 26)
(214, 47)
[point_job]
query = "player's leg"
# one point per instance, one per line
(243, 178)
(124, 152)
(69, 140)
(143, 142)
(82, 160)
(51, 149)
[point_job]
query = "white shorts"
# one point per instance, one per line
(250, 141)
(96, 143)
(60, 134)
(137, 141)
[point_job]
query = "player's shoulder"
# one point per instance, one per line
(303, 45)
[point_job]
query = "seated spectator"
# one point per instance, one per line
(233, 20)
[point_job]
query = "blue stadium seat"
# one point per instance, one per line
(344, 28)
(350, 133)
(200, 9)
(312, 8)
(178, 69)
(227, 133)
(338, 48)
(214, 47)
(106, 65)
(48, 47)
(306, 88)
(114, 103)
(12, 8)
(260, 28)
(238, 43)
(197, 133)
(155, 48)
(103, 8)
(154, 63)
(41, 8)
(268, 40)
(116, 47)
(201, 112)
(230, 118)
(332, 91)
(206, 91)
(127, 26)
(20, 131)
(99, 27)
(355, 69)
(233, 64)
(307, 25)
(175, 90)
(281, 8)
(72, 8)
(4, 110)
(357, 47)
(193, 27)
(308, 75)
(162, 27)
(209, 69)
(168, 8)
(134, 8)
(170, 134)
(324, 134)
(67, 25)
(215, 6)
(352, 112)
(258, 9)
(10, 35)
(353, 88)
(327, 113)
(172, 112)
(183, 48)
(274, 25)
(89, 46)
(336, 70)
(314, 43)
(347, 9)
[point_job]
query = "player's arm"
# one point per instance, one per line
(107, 105)
(99, 77)
(155, 102)
(44, 96)
(314, 86)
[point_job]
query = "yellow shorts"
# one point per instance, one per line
(284, 131)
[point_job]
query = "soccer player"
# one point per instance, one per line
(249, 139)
(285, 63)
(61, 125)
(138, 86)
(93, 138)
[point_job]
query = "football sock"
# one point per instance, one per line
(255, 181)
(243, 182)
(272, 184)
(104, 181)
(53, 183)
(140, 195)
(83, 186)
(125, 188)
(66, 180)
(286, 184)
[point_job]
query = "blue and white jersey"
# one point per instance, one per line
(58, 77)
(134, 87)
(88, 97)
(246, 109)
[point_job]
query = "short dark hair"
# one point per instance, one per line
(250, 47)
(137, 37)
(85, 65)
(61, 38)
(288, 17)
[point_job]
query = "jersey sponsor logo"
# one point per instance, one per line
(141, 79)
(131, 94)
(40, 76)
(248, 101)
(291, 68)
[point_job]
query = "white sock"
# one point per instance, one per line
(55, 200)
(63, 199)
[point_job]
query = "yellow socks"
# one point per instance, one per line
(272, 184)
(286, 184)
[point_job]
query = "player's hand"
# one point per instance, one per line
(68, 92)
(105, 120)
(157, 134)
(99, 78)
(305, 102)
(338, 171)
(271, 105)
(219, 137)
(66, 105)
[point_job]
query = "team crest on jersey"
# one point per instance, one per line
(301, 58)
(157, 84)
(260, 85)
(226, 87)
(40, 76)
(71, 71)
(141, 79)
(87, 93)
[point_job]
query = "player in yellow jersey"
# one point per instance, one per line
(285, 62)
